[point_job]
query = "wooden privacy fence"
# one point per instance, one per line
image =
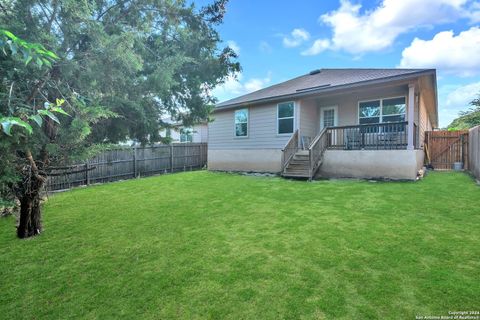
(444, 148)
(474, 151)
(127, 163)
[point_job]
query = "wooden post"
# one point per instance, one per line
(171, 157)
(134, 162)
(87, 176)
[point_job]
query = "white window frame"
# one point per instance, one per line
(292, 117)
(235, 123)
(381, 108)
(335, 119)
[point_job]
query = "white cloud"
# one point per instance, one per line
(459, 55)
(318, 46)
(234, 46)
(358, 31)
(296, 38)
(234, 87)
(453, 99)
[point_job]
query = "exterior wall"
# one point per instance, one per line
(474, 151)
(262, 125)
(348, 103)
(309, 118)
(200, 133)
(262, 129)
(255, 160)
(424, 123)
(375, 164)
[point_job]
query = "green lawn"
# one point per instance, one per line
(222, 246)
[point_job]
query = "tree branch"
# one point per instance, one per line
(33, 165)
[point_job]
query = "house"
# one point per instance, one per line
(363, 123)
(179, 133)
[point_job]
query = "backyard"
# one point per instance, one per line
(216, 245)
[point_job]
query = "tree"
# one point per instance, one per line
(121, 66)
(467, 119)
(20, 171)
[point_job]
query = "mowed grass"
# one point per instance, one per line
(204, 245)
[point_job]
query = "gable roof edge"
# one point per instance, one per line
(329, 89)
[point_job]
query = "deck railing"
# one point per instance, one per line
(290, 149)
(316, 150)
(377, 136)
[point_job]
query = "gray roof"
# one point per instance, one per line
(322, 80)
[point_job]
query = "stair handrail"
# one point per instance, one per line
(316, 150)
(289, 150)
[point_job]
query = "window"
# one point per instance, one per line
(286, 117)
(168, 133)
(369, 112)
(393, 110)
(380, 111)
(328, 118)
(186, 135)
(241, 123)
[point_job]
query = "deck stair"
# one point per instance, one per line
(300, 162)
(298, 166)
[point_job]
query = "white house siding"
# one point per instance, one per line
(424, 123)
(309, 118)
(260, 151)
(262, 130)
(200, 133)
(347, 103)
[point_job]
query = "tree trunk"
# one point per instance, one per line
(30, 211)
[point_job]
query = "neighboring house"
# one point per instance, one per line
(366, 123)
(180, 133)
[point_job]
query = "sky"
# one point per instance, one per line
(279, 40)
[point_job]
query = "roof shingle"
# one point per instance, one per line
(320, 79)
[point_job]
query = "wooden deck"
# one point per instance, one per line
(300, 161)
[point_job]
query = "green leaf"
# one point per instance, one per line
(8, 122)
(38, 119)
(9, 34)
(46, 62)
(51, 54)
(50, 115)
(28, 59)
(59, 110)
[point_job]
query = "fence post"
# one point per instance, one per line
(87, 176)
(171, 157)
(134, 162)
